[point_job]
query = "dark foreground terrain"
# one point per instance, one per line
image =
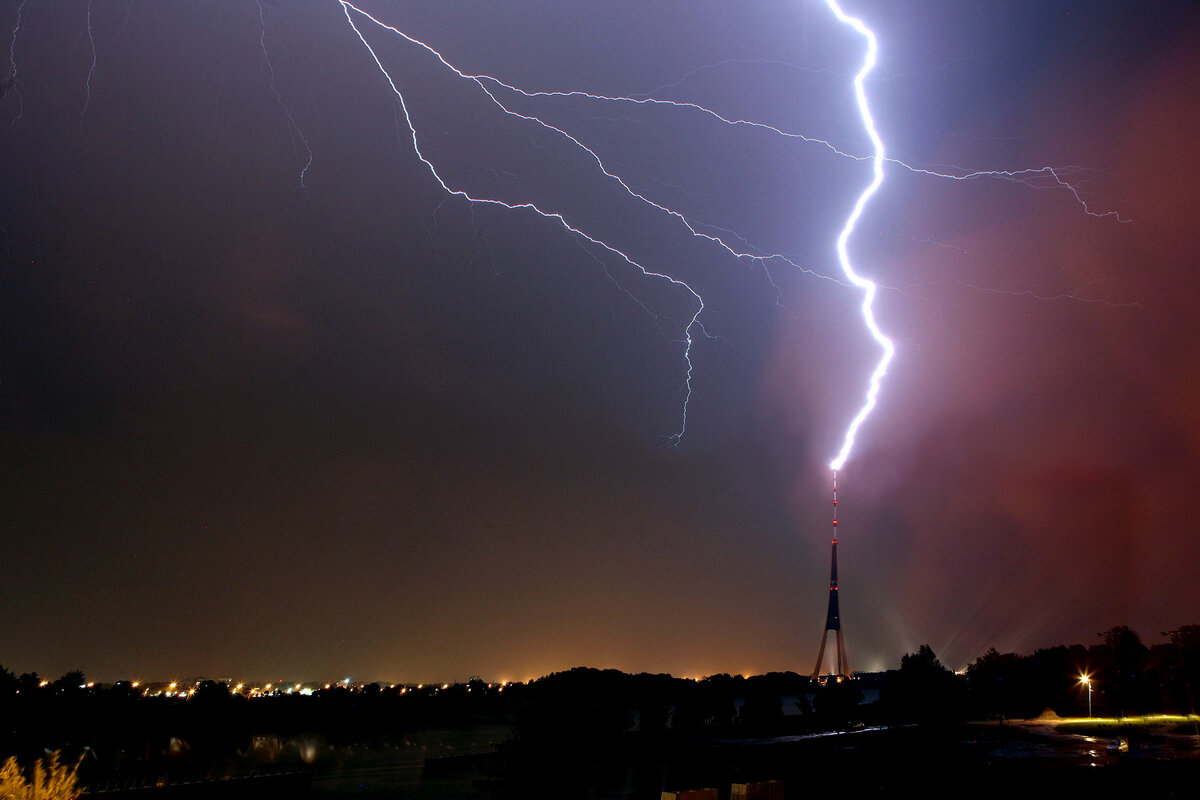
(976, 761)
(971, 761)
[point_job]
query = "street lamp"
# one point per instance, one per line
(1087, 681)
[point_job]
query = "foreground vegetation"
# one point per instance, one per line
(46, 779)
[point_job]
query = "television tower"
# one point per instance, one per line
(833, 621)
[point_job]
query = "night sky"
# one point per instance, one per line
(357, 427)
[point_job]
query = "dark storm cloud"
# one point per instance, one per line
(362, 428)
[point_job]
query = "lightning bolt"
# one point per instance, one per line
(483, 82)
(292, 126)
(1044, 177)
(87, 87)
(693, 325)
(503, 94)
(10, 83)
(868, 287)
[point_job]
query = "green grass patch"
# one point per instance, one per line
(1109, 726)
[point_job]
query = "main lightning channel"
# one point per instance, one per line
(868, 286)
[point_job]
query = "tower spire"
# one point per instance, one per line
(833, 620)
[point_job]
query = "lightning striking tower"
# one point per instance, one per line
(833, 619)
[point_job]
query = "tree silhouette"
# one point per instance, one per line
(1125, 674)
(1185, 669)
(70, 682)
(924, 690)
(994, 682)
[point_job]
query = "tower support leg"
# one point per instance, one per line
(843, 662)
(816, 673)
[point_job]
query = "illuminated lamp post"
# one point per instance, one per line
(1087, 681)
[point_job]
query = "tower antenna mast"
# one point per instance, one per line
(833, 620)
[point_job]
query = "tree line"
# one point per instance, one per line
(1127, 677)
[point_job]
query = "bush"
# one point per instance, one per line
(48, 780)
